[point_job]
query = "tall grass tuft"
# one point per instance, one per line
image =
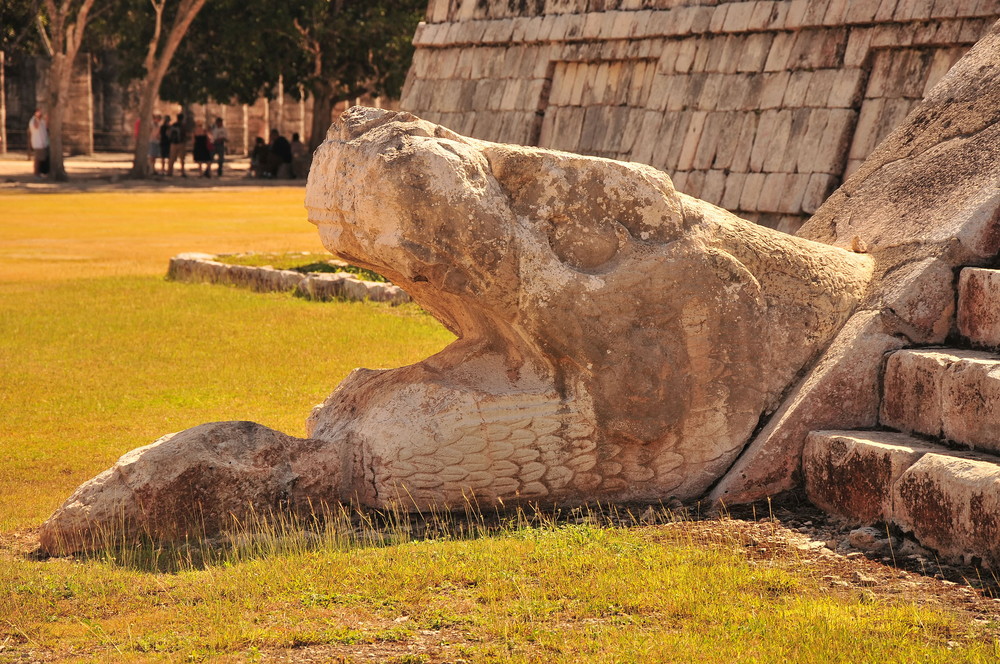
(341, 527)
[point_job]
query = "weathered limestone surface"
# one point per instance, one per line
(979, 306)
(923, 204)
(325, 287)
(602, 319)
(851, 473)
(617, 340)
(196, 267)
(621, 341)
(841, 390)
(911, 397)
(949, 501)
(194, 483)
(948, 394)
(761, 107)
(970, 401)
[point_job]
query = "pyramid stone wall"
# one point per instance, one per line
(761, 107)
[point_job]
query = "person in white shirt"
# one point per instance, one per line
(38, 141)
(219, 138)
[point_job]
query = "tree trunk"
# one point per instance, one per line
(57, 93)
(3, 104)
(323, 102)
(140, 157)
(157, 63)
(65, 38)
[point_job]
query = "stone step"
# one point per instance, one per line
(948, 500)
(979, 306)
(944, 393)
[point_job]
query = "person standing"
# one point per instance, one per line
(164, 144)
(38, 141)
(258, 159)
(300, 158)
(279, 156)
(178, 145)
(219, 139)
(203, 152)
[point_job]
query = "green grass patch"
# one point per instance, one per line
(93, 368)
(54, 237)
(101, 354)
(552, 593)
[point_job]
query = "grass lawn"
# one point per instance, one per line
(55, 237)
(100, 354)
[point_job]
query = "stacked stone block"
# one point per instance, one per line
(760, 107)
(937, 473)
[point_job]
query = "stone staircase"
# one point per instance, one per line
(933, 467)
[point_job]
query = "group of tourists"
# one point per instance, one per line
(169, 143)
(279, 158)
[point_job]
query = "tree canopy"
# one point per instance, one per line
(238, 49)
(234, 50)
(19, 26)
(333, 49)
(330, 50)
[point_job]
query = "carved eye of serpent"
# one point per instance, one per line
(585, 246)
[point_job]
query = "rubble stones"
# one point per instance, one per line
(865, 539)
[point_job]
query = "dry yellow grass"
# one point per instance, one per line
(100, 354)
(53, 237)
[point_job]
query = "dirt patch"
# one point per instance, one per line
(878, 560)
(426, 645)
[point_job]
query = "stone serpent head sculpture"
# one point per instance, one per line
(617, 340)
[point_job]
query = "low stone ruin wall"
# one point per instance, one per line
(203, 268)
